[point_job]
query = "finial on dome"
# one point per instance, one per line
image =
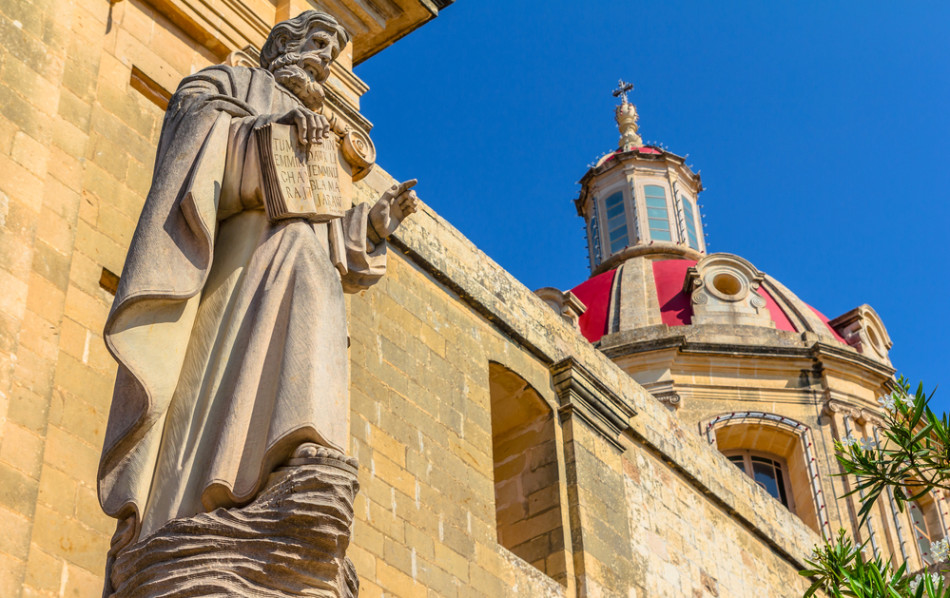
(627, 118)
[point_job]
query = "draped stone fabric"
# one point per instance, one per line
(229, 330)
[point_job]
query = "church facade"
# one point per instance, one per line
(665, 428)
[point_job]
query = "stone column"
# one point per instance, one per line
(592, 423)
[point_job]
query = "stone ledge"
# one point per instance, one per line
(229, 25)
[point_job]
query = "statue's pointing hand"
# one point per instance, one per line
(393, 207)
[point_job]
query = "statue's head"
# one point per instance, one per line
(299, 52)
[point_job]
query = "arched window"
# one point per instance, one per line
(690, 217)
(769, 471)
(928, 527)
(776, 452)
(657, 213)
(617, 236)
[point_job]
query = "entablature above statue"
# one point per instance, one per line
(229, 25)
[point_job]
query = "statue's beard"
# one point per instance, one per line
(303, 75)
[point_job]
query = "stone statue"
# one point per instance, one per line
(229, 418)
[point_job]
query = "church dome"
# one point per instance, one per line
(737, 356)
(721, 291)
(653, 283)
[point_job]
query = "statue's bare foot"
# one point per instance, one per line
(310, 451)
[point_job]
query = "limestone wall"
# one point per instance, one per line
(679, 533)
(77, 145)
(76, 151)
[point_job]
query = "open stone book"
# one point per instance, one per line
(300, 181)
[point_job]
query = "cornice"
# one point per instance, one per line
(221, 27)
(849, 355)
(623, 158)
(656, 248)
(227, 25)
(807, 348)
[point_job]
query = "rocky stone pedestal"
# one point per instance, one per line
(290, 541)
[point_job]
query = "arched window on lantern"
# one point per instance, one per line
(658, 213)
(689, 216)
(617, 234)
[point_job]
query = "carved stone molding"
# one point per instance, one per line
(723, 290)
(566, 304)
(860, 415)
(669, 397)
(248, 56)
(699, 297)
(221, 25)
(580, 393)
(664, 392)
(359, 152)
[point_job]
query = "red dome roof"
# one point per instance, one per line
(595, 294)
(675, 306)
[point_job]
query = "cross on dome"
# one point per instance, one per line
(622, 90)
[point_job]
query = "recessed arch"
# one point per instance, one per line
(528, 512)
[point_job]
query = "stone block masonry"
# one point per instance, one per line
(650, 511)
(76, 152)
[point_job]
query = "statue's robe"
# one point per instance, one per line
(229, 330)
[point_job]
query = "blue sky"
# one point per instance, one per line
(820, 129)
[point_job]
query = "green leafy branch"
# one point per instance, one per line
(840, 569)
(912, 460)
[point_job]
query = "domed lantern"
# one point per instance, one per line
(639, 199)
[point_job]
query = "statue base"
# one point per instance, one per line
(290, 541)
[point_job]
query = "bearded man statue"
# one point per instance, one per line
(224, 453)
